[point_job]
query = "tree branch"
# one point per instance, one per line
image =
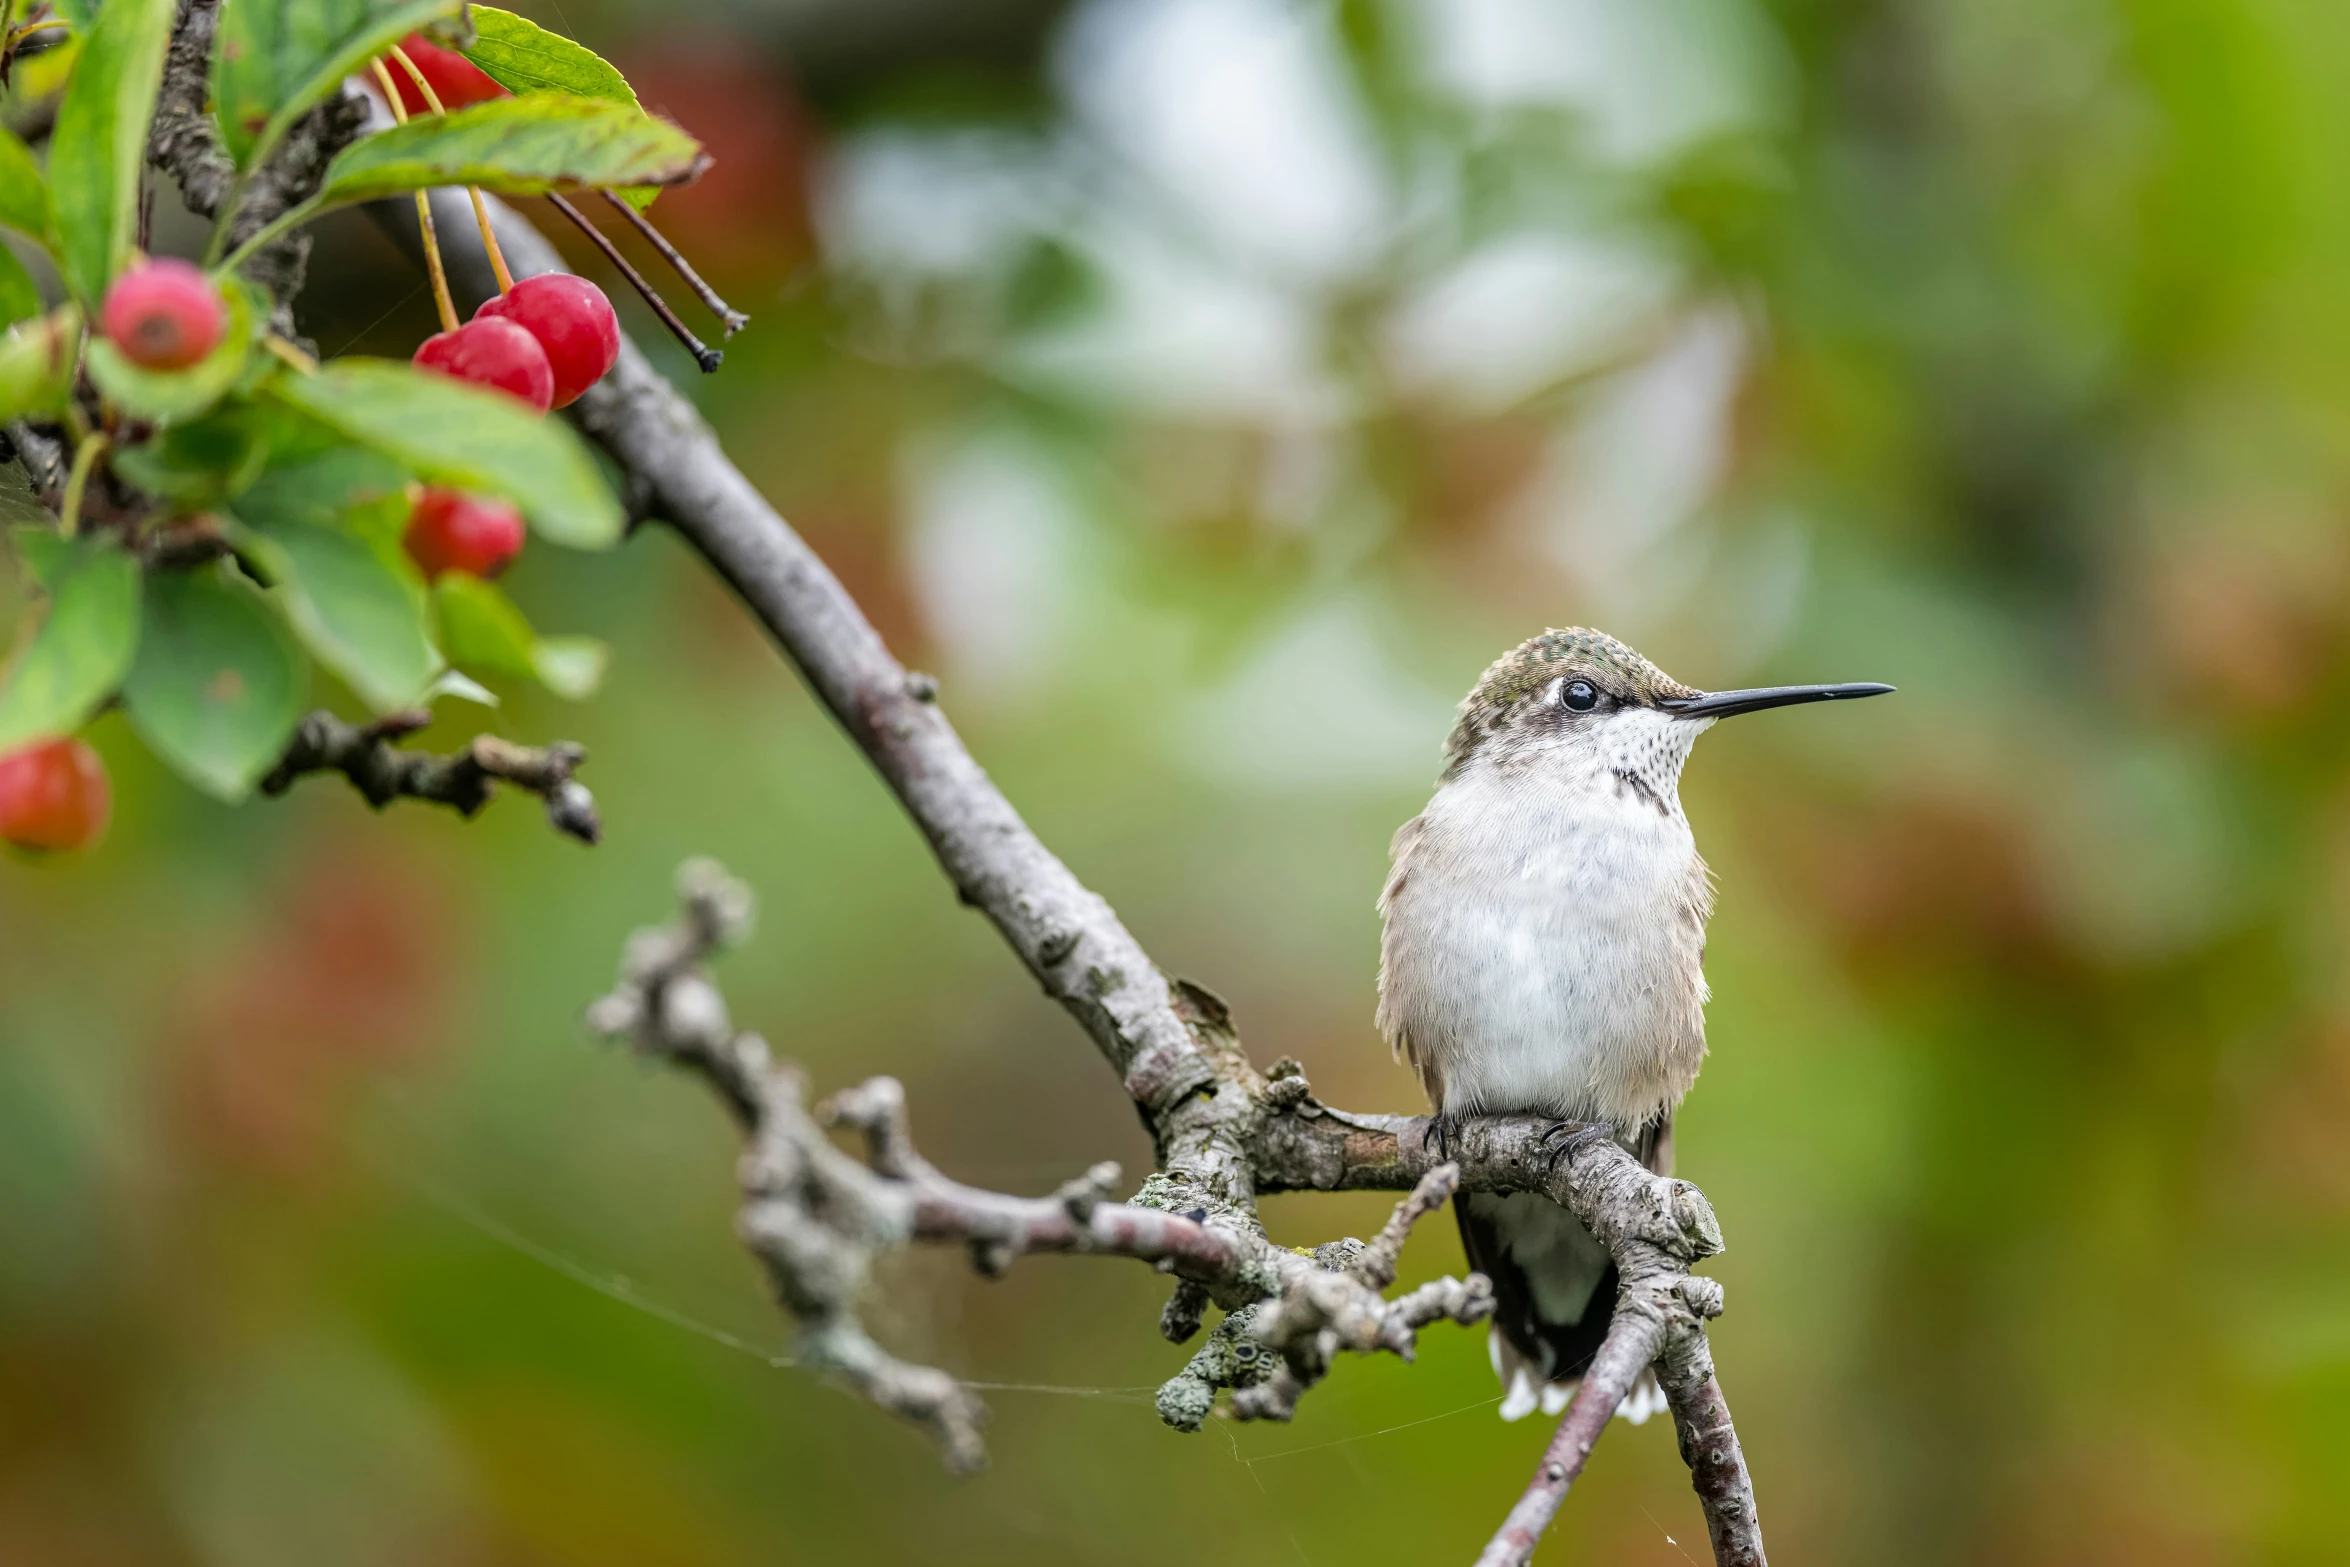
(184, 144)
(817, 1219)
(382, 772)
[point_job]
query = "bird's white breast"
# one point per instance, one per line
(1545, 931)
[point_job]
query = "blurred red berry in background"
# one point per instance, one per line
(450, 530)
(456, 79)
(53, 796)
(283, 1027)
(164, 315)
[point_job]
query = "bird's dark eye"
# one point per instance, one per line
(1580, 696)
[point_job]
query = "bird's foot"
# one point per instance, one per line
(1443, 1127)
(1565, 1139)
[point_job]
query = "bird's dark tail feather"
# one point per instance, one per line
(1554, 1290)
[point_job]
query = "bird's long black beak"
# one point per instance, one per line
(1723, 704)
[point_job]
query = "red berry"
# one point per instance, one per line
(573, 322)
(456, 80)
(163, 315)
(492, 353)
(53, 796)
(452, 531)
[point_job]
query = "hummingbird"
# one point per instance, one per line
(1543, 953)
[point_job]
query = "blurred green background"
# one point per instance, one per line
(1207, 389)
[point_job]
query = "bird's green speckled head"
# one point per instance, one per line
(1575, 681)
(1520, 680)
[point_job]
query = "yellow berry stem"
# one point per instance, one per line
(481, 212)
(77, 481)
(291, 353)
(432, 244)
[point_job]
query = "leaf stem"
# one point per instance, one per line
(228, 217)
(432, 244)
(77, 481)
(261, 236)
(732, 319)
(704, 355)
(481, 212)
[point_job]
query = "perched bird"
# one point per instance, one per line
(1545, 931)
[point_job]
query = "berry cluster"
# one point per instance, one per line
(544, 341)
(541, 341)
(547, 340)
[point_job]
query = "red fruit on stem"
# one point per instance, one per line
(457, 80)
(450, 530)
(163, 315)
(492, 353)
(573, 322)
(53, 796)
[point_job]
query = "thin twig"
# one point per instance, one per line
(1630, 1345)
(382, 772)
(818, 1220)
(704, 355)
(729, 317)
(1717, 1465)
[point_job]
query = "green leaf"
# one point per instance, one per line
(24, 195)
(360, 610)
(82, 651)
(20, 296)
(22, 513)
(164, 396)
(481, 627)
(80, 13)
(518, 147)
(335, 487)
(100, 142)
(571, 667)
(218, 685)
(44, 553)
(523, 57)
(202, 462)
(484, 632)
(36, 362)
(277, 58)
(478, 440)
